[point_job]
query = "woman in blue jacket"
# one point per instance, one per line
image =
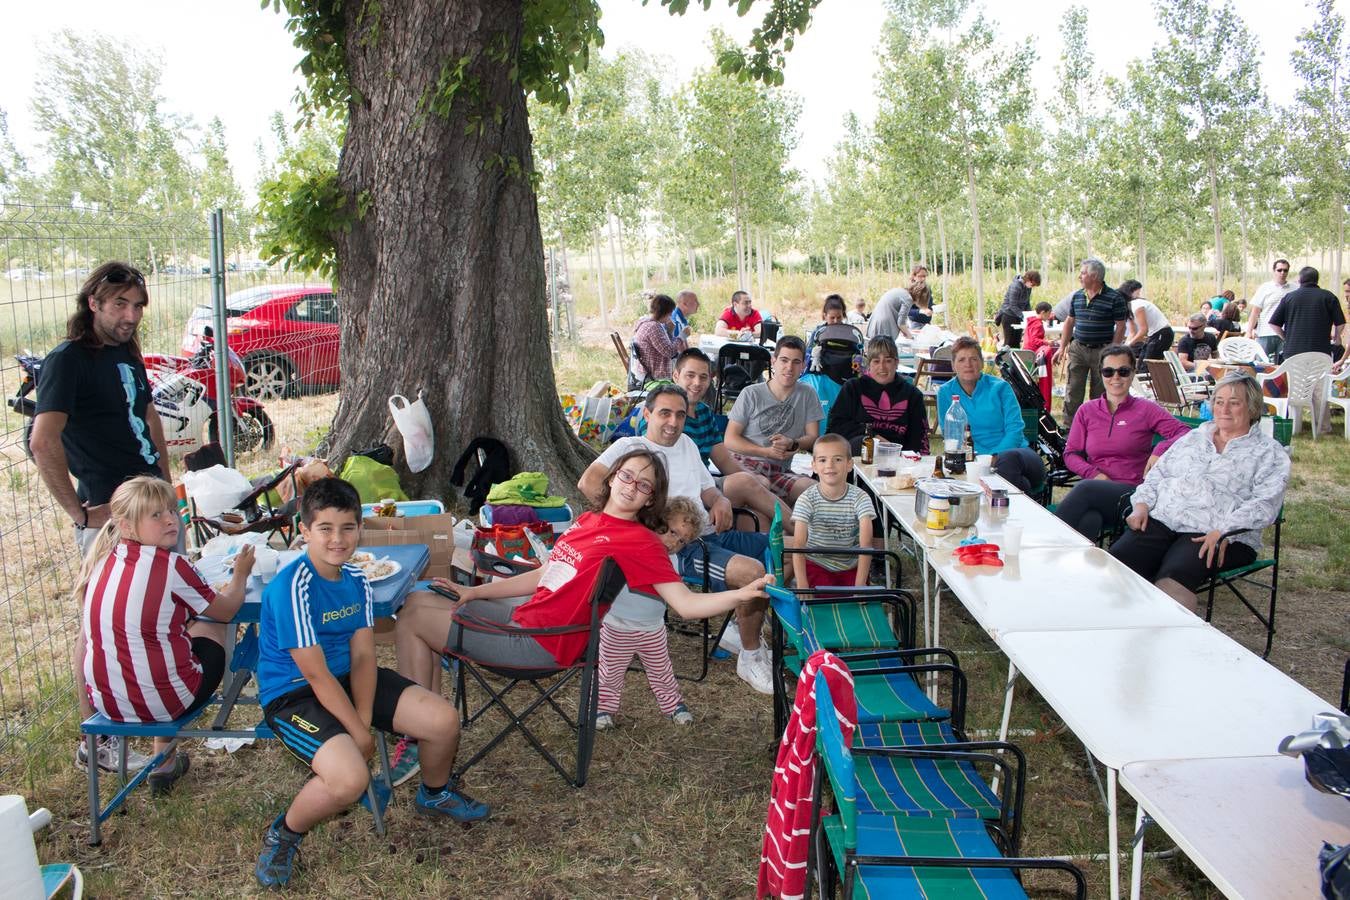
(994, 416)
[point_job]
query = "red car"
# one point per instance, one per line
(287, 335)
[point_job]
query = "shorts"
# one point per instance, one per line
(722, 546)
(819, 576)
(781, 480)
(303, 724)
(212, 658)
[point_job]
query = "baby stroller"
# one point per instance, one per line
(1018, 368)
(836, 351)
(738, 366)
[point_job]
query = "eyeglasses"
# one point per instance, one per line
(1281, 271)
(643, 487)
(1123, 372)
(123, 276)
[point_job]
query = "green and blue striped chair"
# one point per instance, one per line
(896, 856)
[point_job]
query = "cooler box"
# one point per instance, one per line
(560, 517)
(409, 508)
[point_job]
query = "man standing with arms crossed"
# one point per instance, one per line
(1096, 320)
(95, 421)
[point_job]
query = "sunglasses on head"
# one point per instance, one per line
(123, 276)
(1123, 372)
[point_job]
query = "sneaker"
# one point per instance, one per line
(603, 721)
(382, 794)
(731, 638)
(403, 762)
(278, 855)
(753, 667)
(682, 715)
(161, 782)
(452, 803)
(108, 750)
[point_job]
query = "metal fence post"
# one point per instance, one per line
(224, 408)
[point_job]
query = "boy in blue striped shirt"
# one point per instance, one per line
(321, 690)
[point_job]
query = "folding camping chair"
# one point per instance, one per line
(1166, 389)
(608, 582)
(1236, 578)
(904, 856)
(255, 514)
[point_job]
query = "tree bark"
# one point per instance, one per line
(443, 275)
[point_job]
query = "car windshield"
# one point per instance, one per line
(243, 301)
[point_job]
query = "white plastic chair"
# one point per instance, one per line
(1342, 402)
(1242, 350)
(1306, 374)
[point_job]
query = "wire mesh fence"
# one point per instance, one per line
(284, 331)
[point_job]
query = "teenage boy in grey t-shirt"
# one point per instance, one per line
(771, 421)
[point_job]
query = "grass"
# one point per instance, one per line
(668, 811)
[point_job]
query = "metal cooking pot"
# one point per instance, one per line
(963, 496)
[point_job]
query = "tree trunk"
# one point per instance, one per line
(443, 275)
(946, 265)
(1242, 228)
(1340, 241)
(600, 281)
(615, 271)
(923, 242)
(1218, 225)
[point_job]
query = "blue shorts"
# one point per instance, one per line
(722, 546)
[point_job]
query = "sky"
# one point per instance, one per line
(229, 58)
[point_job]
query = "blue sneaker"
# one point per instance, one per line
(278, 855)
(382, 795)
(460, 807)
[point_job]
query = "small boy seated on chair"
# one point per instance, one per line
(321, 690)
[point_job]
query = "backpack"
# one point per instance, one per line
(494, 465)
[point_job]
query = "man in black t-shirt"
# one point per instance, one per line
(94, 418)
(1308, 316)
(1198, 343)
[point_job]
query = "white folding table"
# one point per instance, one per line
(1252, 824)
(1160, 693)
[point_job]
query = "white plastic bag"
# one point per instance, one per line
(216, 489)
(414, 423)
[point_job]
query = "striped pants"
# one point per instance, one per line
(616, 652)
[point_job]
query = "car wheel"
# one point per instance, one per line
(269, 378)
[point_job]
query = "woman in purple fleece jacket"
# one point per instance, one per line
(1110, 446)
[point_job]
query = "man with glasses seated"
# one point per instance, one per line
(1263, 305)
(734, 557)
(1110, 446)
(1197, 344)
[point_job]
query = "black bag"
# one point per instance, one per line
(494, 466)
(381, 453)
(1335, 864)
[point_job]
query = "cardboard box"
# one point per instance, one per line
(437, 532)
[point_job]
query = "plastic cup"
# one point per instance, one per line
(265, 563)
(1012, 539)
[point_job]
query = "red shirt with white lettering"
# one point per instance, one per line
(138, 661)
(563, 596)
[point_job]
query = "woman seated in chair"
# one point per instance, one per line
(1110, 446)
(994, 416)
(1201, 509)
(557, 594)
(887, 403)
(655, 338)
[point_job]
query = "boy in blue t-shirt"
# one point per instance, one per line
(321, 690)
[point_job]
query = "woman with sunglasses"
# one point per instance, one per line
(557, 594)
(1110, 445)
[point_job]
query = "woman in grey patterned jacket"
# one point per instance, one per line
(1203, 506)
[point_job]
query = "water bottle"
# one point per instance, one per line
(954, 425)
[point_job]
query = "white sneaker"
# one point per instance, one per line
(755, 669)
(108, 750)
(731, 638)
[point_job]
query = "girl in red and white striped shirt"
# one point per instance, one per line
(146, 657)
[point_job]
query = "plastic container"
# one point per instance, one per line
(560, 517)
(887, 457)
(409, 508)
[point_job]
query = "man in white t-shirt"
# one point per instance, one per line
(1263, 305)
(734, 557)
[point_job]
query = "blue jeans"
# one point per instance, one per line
(722, 546)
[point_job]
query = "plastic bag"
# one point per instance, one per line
(216, 489)
(414, 423)
(372, 481)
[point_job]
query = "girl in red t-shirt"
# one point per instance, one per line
(145, 657)
(632, 505)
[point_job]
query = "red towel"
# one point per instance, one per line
(782, 865)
